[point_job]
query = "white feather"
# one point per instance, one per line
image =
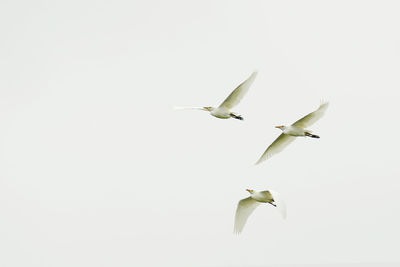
(279, 202)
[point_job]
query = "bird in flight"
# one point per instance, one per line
(290, 132)
(223, 111)
(246, 206)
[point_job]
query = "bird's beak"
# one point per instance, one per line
(248, 190)
(278, 126)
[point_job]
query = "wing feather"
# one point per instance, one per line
(234, 98)
(279, 202)
(277, 146)
(312, 117)
(244, 209)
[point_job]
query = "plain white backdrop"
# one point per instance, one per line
(97, 169)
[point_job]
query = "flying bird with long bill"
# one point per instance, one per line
(223, 111)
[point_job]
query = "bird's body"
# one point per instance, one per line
(290, 132)
(294, 130)
(247, 205)
(223, 111)
(262, 196)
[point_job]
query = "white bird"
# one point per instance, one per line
(289, 133)
(223, 111)
(247, 205)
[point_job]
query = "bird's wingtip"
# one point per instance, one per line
(253, 74)
(324, 102)
(236, 232)
(262, 159)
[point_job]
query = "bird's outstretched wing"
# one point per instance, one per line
(244, 209)
(277, 146)
(279, 202)
(311, 118)
(234, 98)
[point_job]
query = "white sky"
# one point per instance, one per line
(97, 169)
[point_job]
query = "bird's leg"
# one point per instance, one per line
(273, 204)
(238, 117)
(311, 135)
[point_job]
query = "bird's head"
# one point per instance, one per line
(251, 191)
(208, 108)
(282, 127)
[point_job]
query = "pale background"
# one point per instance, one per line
(97, 169)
